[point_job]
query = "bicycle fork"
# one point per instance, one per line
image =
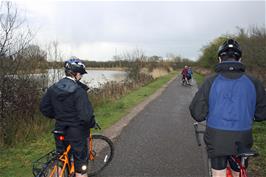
(91, 155)
(65, 159)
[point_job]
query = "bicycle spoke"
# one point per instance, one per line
(100, 155)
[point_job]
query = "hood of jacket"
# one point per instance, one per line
(64, 87)
(230, 66)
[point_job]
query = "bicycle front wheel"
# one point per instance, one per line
(101, 151)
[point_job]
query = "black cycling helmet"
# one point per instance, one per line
(230, 48)
(75, 65)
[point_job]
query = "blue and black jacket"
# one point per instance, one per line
(229, 101)
(67, 102)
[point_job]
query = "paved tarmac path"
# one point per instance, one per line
(159, 140)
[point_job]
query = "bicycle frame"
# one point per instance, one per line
(91, 156)
(61, 165)
(67, 164)
(240, 162)
(64, 158)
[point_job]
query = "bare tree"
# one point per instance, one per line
(54, 52)
(14, 36)
(55, 55)
(137, 60)
(17, 92)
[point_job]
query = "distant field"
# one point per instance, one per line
(105, 68)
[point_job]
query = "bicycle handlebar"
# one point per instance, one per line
(97, 126)
(242, 152)
(197, 132)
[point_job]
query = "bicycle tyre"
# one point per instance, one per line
(103, 151)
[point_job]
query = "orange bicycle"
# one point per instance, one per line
(53, 164)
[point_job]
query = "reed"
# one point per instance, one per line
(22, 120)
(114, 90)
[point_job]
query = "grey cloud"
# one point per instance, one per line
(156, 26)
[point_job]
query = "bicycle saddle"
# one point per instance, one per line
(243, 151)
(58, 132)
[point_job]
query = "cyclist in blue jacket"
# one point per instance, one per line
(229, 101)
(67, 102)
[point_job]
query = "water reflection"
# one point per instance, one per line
(93, 79)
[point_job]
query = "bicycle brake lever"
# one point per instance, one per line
(97, 126)
(197, 133)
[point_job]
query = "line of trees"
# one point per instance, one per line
(18, 92)
(253, 44)
(125, 61)
(20, 60)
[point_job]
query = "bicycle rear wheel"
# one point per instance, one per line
(101, 154)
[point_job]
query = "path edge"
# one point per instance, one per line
(114, 130)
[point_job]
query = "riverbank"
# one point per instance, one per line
(17, 161)
(110, 69)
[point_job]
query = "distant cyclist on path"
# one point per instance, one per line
(229, 101)
(190, 74)
(185, 75)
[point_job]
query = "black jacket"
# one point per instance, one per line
(222, 142)
(68, 103)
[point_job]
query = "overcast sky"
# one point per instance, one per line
(98, 30)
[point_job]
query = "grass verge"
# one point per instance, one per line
(17, 161)
(198, 77)
(110, 112)
(257, 165)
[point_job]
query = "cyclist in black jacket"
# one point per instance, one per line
(229, 101)
(67, 102)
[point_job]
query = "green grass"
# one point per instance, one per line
(111, 112)
(257, 165)
(198, 77)
(17, 161)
